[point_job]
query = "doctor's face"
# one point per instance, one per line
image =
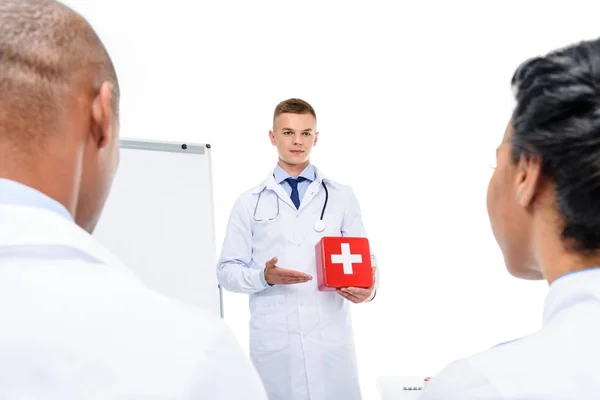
(294, 135)
(510, 220)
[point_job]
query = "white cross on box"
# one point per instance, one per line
(346, 258)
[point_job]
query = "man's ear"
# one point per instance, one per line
(103, 116)
(316, 138)
(272, 137)
(527, 179)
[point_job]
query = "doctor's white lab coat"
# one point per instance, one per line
(301, 339)
(76, 324)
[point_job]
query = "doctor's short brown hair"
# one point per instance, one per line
(294, 106)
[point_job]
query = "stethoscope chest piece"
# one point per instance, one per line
(320, 225)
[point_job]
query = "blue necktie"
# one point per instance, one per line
(294, 184)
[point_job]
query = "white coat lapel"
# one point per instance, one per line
(313, 189)
(310, 194)
(30, 226)
(270, 184)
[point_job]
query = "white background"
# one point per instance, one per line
(412, 99)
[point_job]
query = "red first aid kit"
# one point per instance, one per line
(343, 262)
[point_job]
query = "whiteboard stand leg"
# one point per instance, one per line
(221, 301)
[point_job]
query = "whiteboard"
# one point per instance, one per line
(159, 220)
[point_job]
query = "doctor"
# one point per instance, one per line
(76, 323)
(301, 339)
(544, 208)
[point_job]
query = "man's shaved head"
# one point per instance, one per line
(45, 48)
(59, 99)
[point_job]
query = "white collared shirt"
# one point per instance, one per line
(560, 361)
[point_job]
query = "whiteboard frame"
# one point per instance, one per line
(182, 147)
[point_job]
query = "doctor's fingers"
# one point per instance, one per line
(295, 279)
(292, 282)
(349, 297)
(290, 273)
(358, 294)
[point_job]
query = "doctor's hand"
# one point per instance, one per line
(276, 276)
(359, 295)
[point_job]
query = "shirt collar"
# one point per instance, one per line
(280, 175)
(15, 193)
(570, 289)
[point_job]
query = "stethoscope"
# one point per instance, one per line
(319, 225)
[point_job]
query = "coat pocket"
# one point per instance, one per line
(269, 324)
(335, 320)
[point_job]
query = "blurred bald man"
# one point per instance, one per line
(75, 323)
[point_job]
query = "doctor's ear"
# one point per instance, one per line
(272, 137)
(316, 138)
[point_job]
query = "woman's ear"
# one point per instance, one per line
(527, 179)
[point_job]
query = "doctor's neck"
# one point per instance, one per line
(293, 169)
